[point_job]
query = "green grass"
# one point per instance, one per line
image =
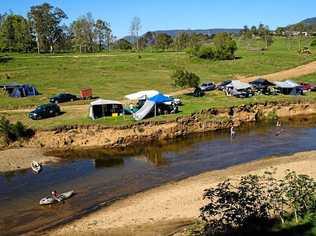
(111, 76)
(114, 75)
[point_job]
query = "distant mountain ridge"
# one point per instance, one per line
(200, 31)
(173, 33)
(309, 21)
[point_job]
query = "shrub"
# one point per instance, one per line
(225, 46)
(223, 49)
(313, 43)
(13, 132)
(183, 78)
(252, 203)
(206, 52)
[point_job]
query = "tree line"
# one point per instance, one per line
(43, 31)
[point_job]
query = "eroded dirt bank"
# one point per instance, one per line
(150, 131)
(162, 210)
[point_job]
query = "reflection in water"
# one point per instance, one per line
(108, 162)
(100, 176)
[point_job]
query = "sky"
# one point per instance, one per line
(178, 14)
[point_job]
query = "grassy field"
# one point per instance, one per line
(111, 76)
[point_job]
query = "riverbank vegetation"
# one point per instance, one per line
(260, 205)
(13, 132)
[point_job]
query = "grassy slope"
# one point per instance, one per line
(115, 75)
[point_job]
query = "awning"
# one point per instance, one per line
(142, 95)
(104, 102)
(287, 84)
(236, 84)
(160, 98)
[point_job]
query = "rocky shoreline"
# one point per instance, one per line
(154, 131)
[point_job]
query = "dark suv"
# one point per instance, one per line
(63, 97)
(45, 111)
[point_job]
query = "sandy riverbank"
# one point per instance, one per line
(19, 159)
(162, 210)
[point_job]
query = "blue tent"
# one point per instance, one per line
(160, 98)
(24, 90)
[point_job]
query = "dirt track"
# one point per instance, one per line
(299, 71)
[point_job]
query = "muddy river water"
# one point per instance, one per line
(99, 177)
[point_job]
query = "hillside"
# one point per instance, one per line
(309, 21)
(197, 31)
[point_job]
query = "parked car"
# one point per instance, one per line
(222, 85)
(63, 97)
(45, 111)
(308, 87)
(208, 86)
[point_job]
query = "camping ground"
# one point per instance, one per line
(111, 76)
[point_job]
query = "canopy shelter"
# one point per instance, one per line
(160, 98)
(17, 90)
(142, 95)
(289, 87)
(238, 85)
(101, 108)
(152, 106)
(261, 83)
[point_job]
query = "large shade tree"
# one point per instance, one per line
(15, 34)
(45, 20)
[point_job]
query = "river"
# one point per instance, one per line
(99, 176)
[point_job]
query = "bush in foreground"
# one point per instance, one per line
(13, 132)
(257, 201)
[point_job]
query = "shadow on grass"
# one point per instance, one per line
(5, 59)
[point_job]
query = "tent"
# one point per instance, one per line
(238, 85)
(142, 95)
(16, 90)
(101, 108)
(261, 83)
(160, 98)
(289, 87)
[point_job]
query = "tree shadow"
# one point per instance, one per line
(5, 59)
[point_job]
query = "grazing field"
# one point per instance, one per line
(111, 76)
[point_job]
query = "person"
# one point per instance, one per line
(55, 196)
(278, 124)
(232, 131)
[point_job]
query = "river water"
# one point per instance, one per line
(99, 177)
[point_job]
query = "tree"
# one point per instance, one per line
(83, 33)
(15, 34)
(280, 31)
(184, 78)
(45, 20)
(163, 41)
(225, 46)
(135, 29)
(264, 34)
(182, 41)
(246, 33)
(122, 44)
(300, 29)
(103, 34)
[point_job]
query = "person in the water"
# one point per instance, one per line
(55, 196)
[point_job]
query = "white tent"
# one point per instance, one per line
(101, 107)
(238, 85)
(142, 95)
(287, 84)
